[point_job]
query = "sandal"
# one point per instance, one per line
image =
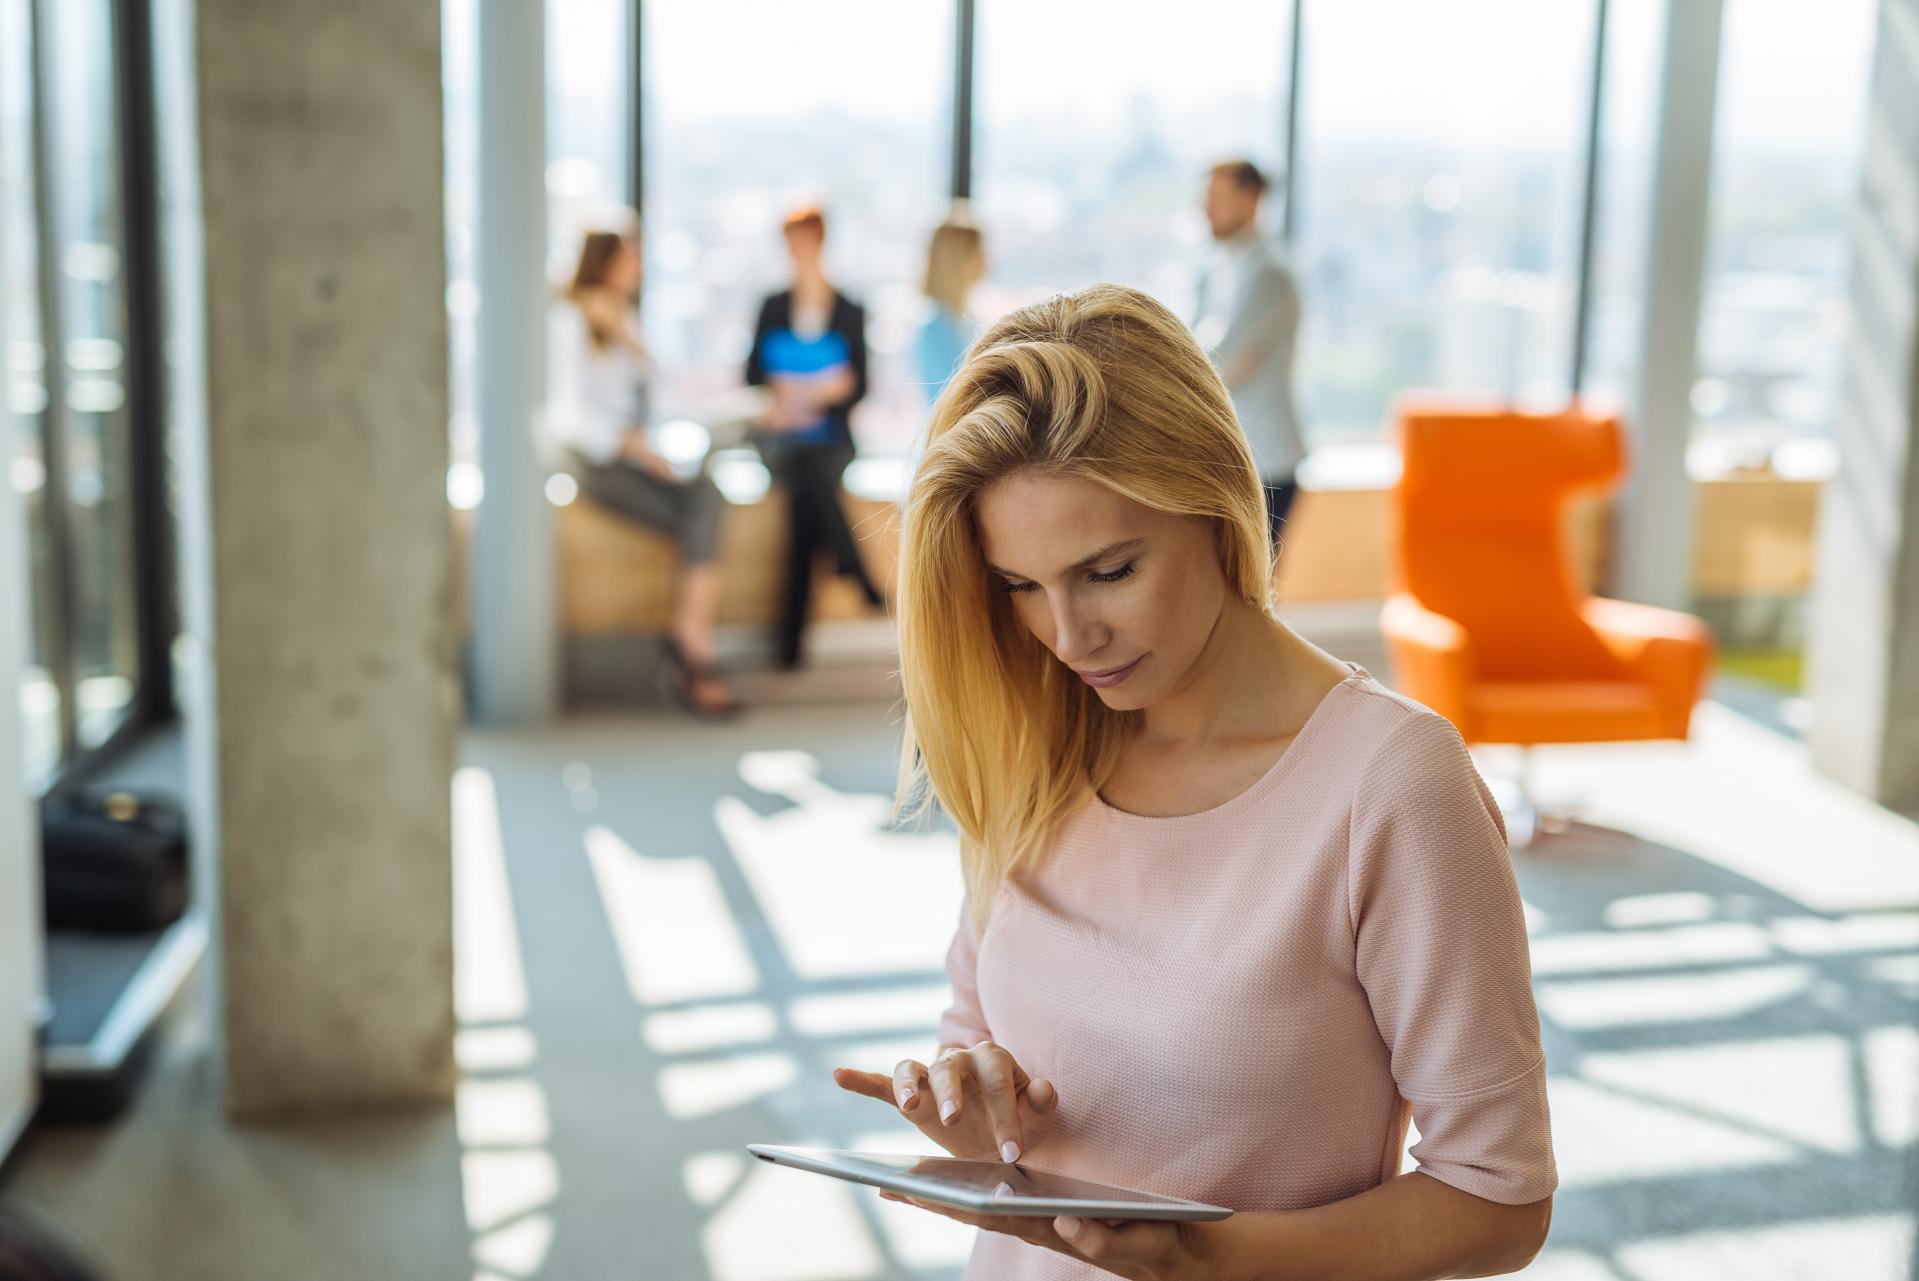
(681, 677)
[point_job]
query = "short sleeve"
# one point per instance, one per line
(1441, 951)
(963, 1023)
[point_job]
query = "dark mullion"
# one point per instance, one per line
(636, 107)
(145, 374)
(1290, 180)
(965, 23)
(1582, 290)
(54, 504)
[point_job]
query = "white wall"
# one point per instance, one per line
(20, 945)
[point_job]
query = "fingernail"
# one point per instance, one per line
(1009, 1150)
(947, 1109)
(906, 1099)
(1067, 1226)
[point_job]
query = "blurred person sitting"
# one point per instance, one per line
(955, 262)
(1248, 320)
(598, 411)
(809, 351)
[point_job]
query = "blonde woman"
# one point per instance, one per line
(1235, 912)
(955, 262)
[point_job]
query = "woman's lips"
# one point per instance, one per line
(1112, 676)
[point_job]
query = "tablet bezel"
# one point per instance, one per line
(823, 1161)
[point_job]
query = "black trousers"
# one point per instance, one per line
(1280, 492)
(816, 522)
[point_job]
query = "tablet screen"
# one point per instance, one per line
(991, 1178)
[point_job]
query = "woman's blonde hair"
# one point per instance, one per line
(1104, 384)
(950, 255)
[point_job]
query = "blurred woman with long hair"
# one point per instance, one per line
(955, 262)
(1235, 913)
(598, 410)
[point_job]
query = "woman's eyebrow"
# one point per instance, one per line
(1084, 562)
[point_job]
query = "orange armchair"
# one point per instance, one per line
(1487, 624)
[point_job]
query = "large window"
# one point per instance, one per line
(67, 295)
(24, 367)
(753, 106)
(1629, 115)
(1438, 203)
(1437, 196)
(1790, 124)
(86, 248)
(1097, 123)
(588, 122)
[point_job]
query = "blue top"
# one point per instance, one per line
(788, 357)
(943, 339)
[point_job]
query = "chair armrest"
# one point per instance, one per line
(1432, 657)
(1667, 649)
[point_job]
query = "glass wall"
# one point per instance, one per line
(24, 366)
(588, 134)
(1096, 125)
(588, 120)
(1439, 193)
(1789, 129)
(86, 246)
(1629, 115)
(753, 107)
(67, 295)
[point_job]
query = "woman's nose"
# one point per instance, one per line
(1076, 637)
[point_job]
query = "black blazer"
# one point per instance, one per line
(848, 321)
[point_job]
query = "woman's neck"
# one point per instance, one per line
(1235, 689)
(811, 289)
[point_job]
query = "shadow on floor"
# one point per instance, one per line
(1730, 1071)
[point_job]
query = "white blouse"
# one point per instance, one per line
(595, 396)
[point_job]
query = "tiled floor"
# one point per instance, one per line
(670, 934)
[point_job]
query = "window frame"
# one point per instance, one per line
(153, 609)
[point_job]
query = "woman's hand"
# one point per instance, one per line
(637, 451)
(976, 1103)
(1140, 1249)
(789, 410)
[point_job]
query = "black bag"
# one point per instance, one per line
(114, 862)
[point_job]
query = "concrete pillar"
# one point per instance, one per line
(515, 643)
(1864, 648)
(328, 541)
(1653, 534)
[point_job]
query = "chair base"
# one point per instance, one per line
(1526, 821)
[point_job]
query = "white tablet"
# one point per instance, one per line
(988, 1187)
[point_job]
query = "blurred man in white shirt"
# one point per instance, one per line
(1248, 319)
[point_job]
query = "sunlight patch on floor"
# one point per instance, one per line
(710, 1086)
(489, 980)
(1892, 1084)
(1796, 1088)
(836, 1014)
(1599, 951)
(708, 1027)
(670, 920)
(1679, 998)
(787, 1225)
(844, 892)
(1877, 1247)
(1603, 1137)
(508, 1178)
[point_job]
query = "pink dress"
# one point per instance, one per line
(1247, 1005)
